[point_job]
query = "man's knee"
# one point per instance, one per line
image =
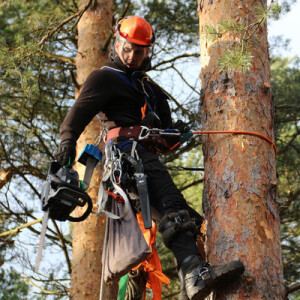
(174, 223)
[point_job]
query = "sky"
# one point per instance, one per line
(288, 26)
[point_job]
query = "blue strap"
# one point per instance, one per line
(129, 82)
(121, 75)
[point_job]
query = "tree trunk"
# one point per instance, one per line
(93, 29)
(240, 184)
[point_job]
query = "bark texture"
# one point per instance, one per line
(240, 184)
(93, 30)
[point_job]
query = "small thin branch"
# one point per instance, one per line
(60, 58)
(184, 80)
(109, 38)
(288, 145)
(29, 281)
(287, 106)
(184, 111)
(74, 80)
(255, 26)
(81, 12)
(292, 288)
(17, 229)
(171, 295)
(63, 245)
(67, 20)
(175, 58)
(191, 184)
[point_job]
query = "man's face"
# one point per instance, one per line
(132, 56)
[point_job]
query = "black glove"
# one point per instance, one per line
(184, 129)
(181, 126)
(66, 152)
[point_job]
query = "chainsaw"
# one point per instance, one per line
(62, 192)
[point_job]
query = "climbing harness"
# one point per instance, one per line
(115, 182)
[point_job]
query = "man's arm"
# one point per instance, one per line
(90, 101)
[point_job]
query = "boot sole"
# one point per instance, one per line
(222, 275)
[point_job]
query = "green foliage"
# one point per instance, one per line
(286, 91)
(175, 21)
(11, 286)
(274, 11)
(236, 59)
(190, 182)
(238, 55)
(35, 93)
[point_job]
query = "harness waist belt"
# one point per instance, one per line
(135, 131)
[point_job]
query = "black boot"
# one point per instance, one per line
(201, 278)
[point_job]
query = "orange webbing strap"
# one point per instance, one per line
(152, 264)
(240, 132)
(143, 110)
(117, 197)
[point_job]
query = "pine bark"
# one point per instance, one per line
(88, 236)
(240, 184)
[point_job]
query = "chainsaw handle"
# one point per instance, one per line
(81, 193)
(89, 202)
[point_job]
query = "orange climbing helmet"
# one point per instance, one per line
(135, 30)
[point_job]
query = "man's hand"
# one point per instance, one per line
(184, 129)
(66, 152)
(181, 126)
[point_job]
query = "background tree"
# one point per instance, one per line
(94, 28)
(285, 84)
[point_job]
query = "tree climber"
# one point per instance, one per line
(122, 95)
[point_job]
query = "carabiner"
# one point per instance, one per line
(144, 133)
(116, 176)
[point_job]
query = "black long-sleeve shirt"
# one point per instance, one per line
(105, 91)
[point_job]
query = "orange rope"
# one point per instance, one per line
(240, 132)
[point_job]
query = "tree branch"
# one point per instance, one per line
(184, 111)
(183, 79)
(74, 80)
(67, 20)
(175, 58)
(290, 142)
(191, 184)
(18, 228)
(106, 43)
(63, 245)
(60, 58)
(287, 106)
(292, 288)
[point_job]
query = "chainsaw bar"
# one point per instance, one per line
(42, 241)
